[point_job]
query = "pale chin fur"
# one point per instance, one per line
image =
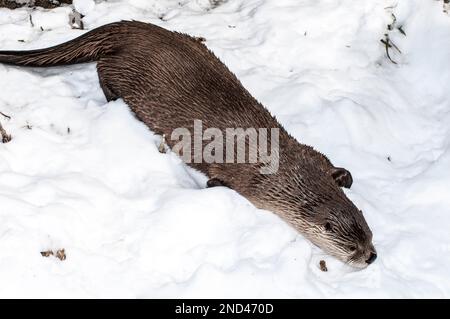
(330, 248)
(357, 264)
(346, 259)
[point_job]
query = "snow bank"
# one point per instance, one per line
(85, 175)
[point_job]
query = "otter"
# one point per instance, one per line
(169, 79)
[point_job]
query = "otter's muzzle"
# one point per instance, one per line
(371, 258)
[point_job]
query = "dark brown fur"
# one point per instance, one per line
(47, 4)
(169, 79)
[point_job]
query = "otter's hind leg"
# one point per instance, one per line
(109, 93)
(107, 90)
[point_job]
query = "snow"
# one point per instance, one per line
(84, 6)
(85, 175)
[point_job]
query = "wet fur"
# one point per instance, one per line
(168, 79)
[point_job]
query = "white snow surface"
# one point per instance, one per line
(85, 175)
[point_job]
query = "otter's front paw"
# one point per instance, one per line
(213, 182)
(342, 177)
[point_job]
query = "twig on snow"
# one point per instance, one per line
(389, 44)
(7, 116)
(400, 28)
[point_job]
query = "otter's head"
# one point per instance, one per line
(339, 228)
(307, 194)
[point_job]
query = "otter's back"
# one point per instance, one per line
(169, 79)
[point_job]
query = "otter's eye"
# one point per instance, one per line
(352, 248)
(328, 227)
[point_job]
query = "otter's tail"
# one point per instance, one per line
(86, 48)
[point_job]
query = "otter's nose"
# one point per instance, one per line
(372, 258)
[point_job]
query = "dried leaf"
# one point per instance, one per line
(323, 265)
(61, 254)
(47, 253)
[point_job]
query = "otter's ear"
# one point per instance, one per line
(342, 177)
(213, 182)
